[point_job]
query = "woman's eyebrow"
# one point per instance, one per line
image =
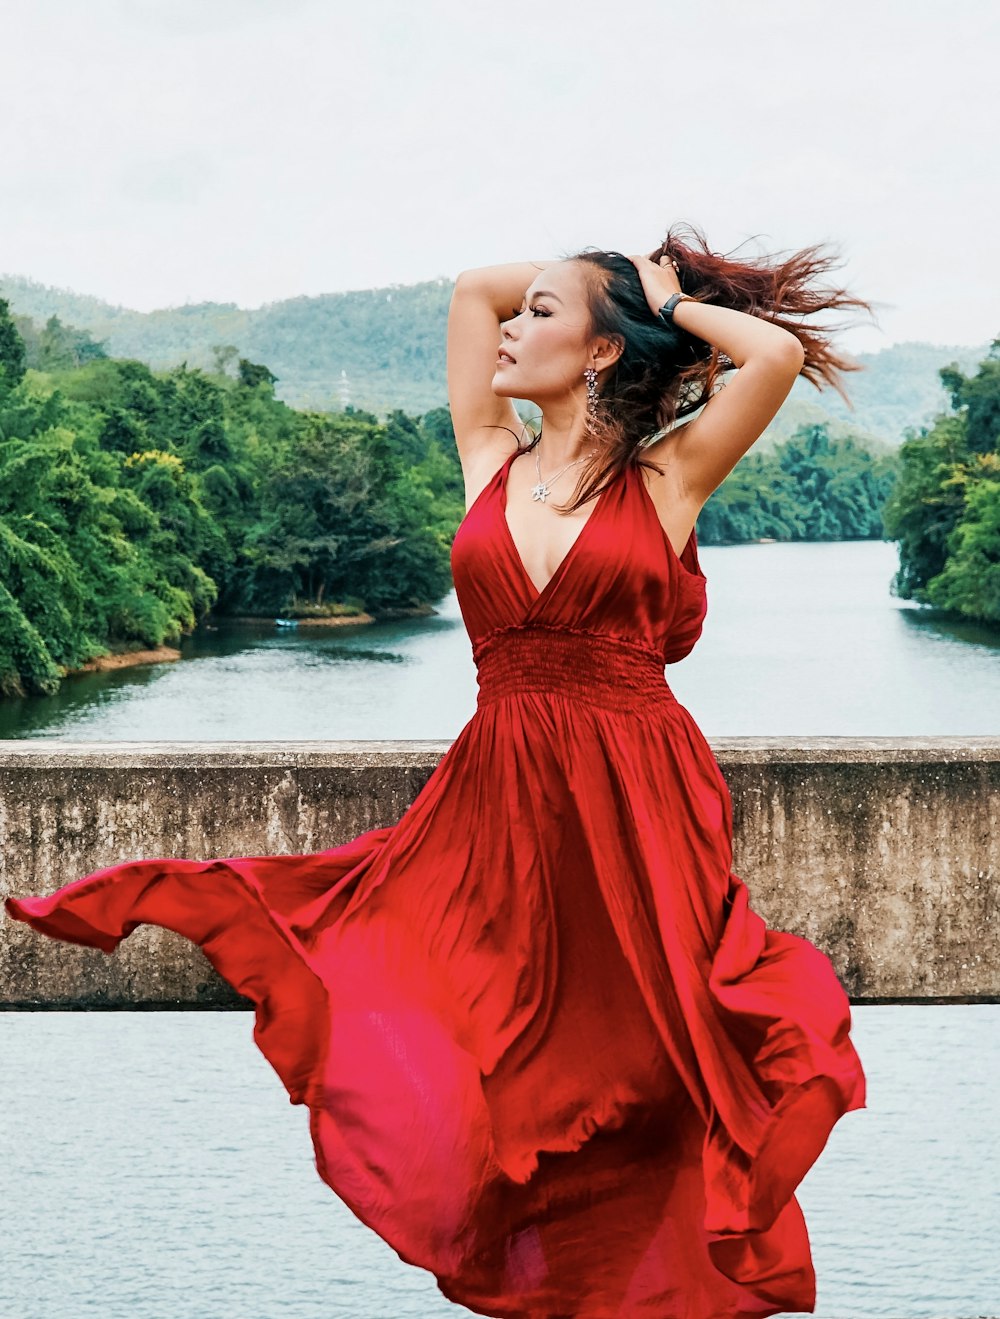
(544, 293)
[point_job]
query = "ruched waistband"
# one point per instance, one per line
(587, 666)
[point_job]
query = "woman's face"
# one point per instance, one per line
(548, 338)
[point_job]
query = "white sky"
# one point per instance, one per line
(158, 152)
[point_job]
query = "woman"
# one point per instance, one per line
(549, 1051)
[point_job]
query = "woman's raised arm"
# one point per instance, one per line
(483, 297)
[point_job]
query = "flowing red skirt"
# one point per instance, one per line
(549, 1051)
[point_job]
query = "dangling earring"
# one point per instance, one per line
(591, 375)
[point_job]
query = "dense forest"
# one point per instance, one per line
(945, 508)
(135, 502)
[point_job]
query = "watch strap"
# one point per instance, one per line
(666, 312)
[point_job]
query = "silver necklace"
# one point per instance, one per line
(541, 490)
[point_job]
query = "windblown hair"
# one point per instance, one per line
(664, 372)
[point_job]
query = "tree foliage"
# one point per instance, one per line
(810, 487)
(12, 354)
(133, 502)
(945, 510)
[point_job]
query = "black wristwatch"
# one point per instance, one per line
(666, 312)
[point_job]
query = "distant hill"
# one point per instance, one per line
(381, 349)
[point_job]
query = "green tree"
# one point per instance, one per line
(252, 375)
(342, 518)
(64, 348)
(935, 513)
(944, 510)
(969, 582)
(86, 563)
(925, 505)
(978, 398)
(11, 349)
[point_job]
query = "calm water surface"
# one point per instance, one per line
(154, 1168)
(799, 639)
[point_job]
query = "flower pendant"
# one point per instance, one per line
(539, 491)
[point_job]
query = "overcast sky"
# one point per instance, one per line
(159, 152)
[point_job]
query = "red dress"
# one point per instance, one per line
(549, 1051)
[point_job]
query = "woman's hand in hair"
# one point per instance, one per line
(659, 280)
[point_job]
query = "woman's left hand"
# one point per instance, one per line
(659, 282)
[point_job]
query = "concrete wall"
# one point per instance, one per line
(883, 851)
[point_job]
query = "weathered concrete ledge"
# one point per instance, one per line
(882, 851)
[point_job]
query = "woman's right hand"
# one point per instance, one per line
(659, 281)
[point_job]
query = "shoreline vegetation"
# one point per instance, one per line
(123, 659)
(138, 505)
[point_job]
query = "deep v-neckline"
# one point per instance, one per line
(536, 594)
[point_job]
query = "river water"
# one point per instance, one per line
(154, 1167)
(799, 639)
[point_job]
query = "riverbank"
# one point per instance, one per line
(326, 620)
(125, 659)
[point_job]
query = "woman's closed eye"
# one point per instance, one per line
(538, 311)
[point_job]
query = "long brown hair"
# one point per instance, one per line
(664, 372)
